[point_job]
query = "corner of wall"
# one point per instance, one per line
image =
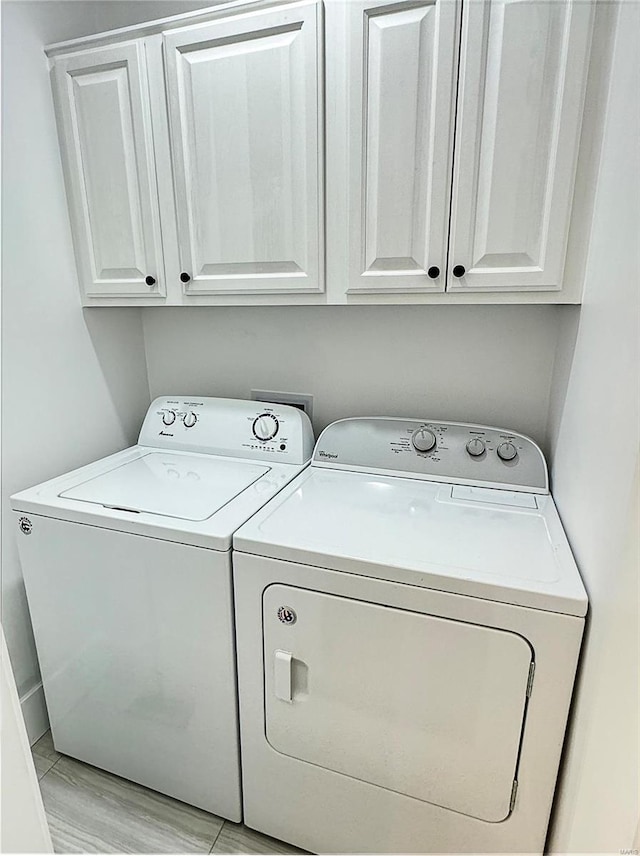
(597, 484)
(34, 712)
(588, 168)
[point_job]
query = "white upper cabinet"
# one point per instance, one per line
(523, 72)
(401, 91)
(107, 147)
(246, 142)
(194, 152)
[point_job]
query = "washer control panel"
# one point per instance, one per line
(439, 451)
(229, 427)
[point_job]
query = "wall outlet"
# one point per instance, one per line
(295, 399)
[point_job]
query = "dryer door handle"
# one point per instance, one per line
(282, 666)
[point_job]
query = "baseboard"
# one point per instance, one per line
(34, 712)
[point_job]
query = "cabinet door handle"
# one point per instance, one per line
(459, 271)
(282, 675)
(434, 272)
(150, 281)
(184, 276)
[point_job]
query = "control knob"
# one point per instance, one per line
(169, 417)
(423, 440)
(506, 451)
(189, 419)
(265, 427)
(476, 447)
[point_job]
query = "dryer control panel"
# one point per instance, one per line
(230, 427)
(452, 452)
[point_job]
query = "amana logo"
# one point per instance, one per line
(25, 525)
(323, 454)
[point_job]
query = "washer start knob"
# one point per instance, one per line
(506, 451)
(169, 417)
(265, 427)
(423, 440)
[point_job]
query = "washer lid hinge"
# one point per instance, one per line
(532, 669)
(514, 791)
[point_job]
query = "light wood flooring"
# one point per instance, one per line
(90, 811)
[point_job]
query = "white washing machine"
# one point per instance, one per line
(409, 619)
(127, 567)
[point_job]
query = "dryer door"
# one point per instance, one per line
(429, 707)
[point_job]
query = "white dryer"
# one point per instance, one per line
(127, 567)
(409, 619)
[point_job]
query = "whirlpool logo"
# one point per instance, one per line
(323, 454)
(287, 615)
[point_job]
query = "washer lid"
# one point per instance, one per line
(182, 486)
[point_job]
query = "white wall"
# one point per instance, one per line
(595, 482)
(485, 364)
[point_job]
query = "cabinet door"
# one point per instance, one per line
(522, 79)
(246, 147)
(402, 59)
(107, 147)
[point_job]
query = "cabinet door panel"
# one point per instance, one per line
(246, 142)
(522, 79)
(401, 119)
(107, 147)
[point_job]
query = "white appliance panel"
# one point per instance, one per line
(190, 487)
(413, 525)
(259, 448)
(135, 639)
(213, 533)
(229, 427)
(479, 541)
(429, 707)
(325, 811)
(449, 452)
(127, 568)
(409, 618)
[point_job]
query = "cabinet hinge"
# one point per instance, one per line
(514, 791)
(532, 669)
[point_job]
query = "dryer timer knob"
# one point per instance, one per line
(423, 440)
